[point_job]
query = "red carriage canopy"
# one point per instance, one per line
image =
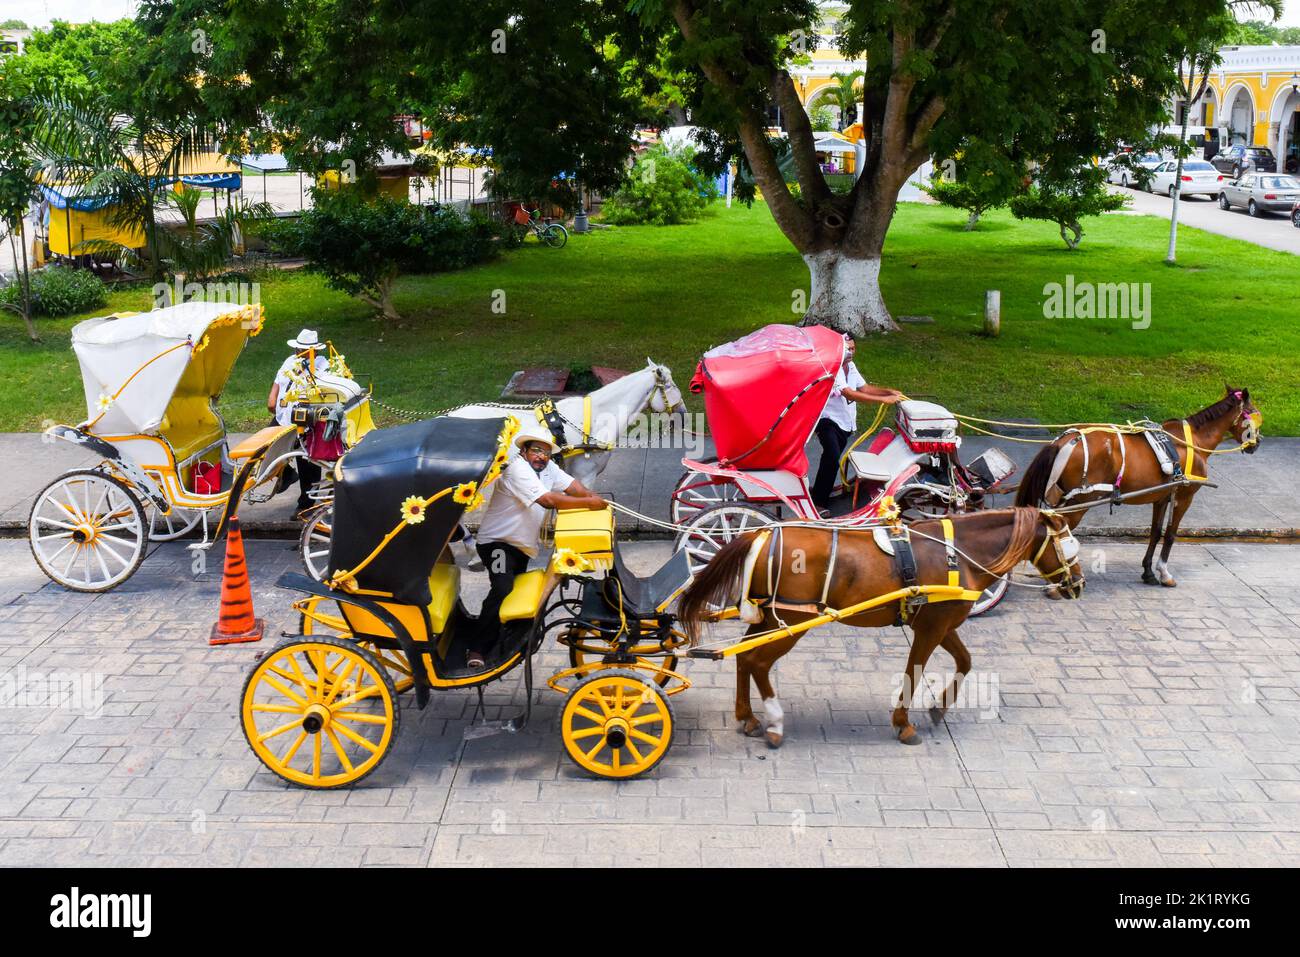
(764, 393)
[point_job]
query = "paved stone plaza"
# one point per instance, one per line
(1139, 726)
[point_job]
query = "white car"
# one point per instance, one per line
(1199, 177)
(1123, 175)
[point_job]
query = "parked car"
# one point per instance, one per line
(1261, 193)
(1295, 215)
(1198, 177)
(1239, 159)
(1122, 174)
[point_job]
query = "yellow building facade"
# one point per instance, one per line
(1252, 98)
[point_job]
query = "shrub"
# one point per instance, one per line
(663, 189)
(362, 245)
(59, 291)
(1067, 199)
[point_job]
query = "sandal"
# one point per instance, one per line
(474, 659)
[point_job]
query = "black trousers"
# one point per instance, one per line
(503, 562)
(833, 440)
(308, 475)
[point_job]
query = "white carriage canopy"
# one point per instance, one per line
(158, 372)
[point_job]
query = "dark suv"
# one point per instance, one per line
(1238, 159)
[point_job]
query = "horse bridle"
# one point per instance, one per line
(1253, 421)
(1067, 553)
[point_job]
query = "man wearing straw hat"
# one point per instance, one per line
(308, 355)
(511, 530)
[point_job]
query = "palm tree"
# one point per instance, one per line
(197, 250)
(80, 143)
(846, 94)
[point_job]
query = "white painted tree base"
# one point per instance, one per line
(846, 294)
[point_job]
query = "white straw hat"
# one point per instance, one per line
(307, 339)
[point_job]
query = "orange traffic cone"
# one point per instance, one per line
(236, 622)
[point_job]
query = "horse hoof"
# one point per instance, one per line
(1149, 578)
(1169, 582)
(936, 715)
(752, 728)
(909, 735)
(774, 740)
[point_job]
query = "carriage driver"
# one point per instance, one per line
(308, 353)
(511, 529)
(839, 420)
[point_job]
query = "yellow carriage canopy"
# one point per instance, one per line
(160, 372)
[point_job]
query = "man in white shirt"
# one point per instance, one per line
(839, 420)
(510, 532)
(309, 354)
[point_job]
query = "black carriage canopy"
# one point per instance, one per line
(381, 472)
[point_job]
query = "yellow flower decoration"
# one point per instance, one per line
(464, 493)
(413, 510)
(478, 500)
(105, 402)
(568, 562)
(339, 367)
(889, 510)
(203, 344)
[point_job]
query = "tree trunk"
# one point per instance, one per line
(1177, 193)
(846, 293)
(1071, 241)
(972, 220)
(383, 301)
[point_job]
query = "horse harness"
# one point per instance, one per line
(900, 549)
(549, 415)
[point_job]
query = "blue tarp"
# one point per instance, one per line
(264, 162)
(85, 204)
(213, 180)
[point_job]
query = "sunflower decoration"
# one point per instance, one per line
(568, 562)
(104, 403)
(339, 367)
(413, 510)
(250, 318)
(465, 493)
(203, 344)
(889, 510)
(478, 500)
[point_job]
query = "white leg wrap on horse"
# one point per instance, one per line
(775, 716)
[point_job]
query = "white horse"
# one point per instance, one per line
(592, 424)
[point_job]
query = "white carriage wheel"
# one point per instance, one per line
(87, 531)
(687, 502)
(704, 535)
(177, 522)
(314, 542)
(990, 597)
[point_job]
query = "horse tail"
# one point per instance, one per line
(714, 584)
(1033, 487)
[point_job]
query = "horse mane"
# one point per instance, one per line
(1221, 408)
(1023, 528)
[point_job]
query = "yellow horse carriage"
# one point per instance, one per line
(321, 709)
(152, 381)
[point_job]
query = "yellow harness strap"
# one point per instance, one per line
(586, 418)
(1190, 465)
(954, 574)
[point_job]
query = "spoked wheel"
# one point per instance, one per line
(696, 491)
(87, 531)
(177, 522)
(320, 712)
(314, 542)
(705, 534)
(615, 724)
(313, 621)
(990, 598)
(578, 657)
(555, 235)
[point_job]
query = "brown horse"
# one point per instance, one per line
(986, 544)
(1119, 462)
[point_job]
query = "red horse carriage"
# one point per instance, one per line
(763, 395)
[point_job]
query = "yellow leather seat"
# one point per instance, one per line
(190, 427)
(525, 598)
(444, 587)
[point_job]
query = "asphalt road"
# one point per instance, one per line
(1273, 231)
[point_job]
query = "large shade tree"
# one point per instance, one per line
(1045, 81)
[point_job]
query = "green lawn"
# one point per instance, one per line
(617, 296)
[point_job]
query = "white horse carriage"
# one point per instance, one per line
(152, 381)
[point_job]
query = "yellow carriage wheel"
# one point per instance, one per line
(312, 621)
(320, 712)
(578, 657)
(616, 724)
